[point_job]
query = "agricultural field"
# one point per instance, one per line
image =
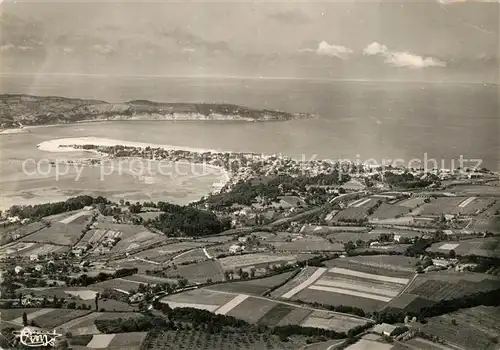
(426, 289)
(348, 236)
(192, 339)
(360, 264)
(217, 239)
(193, 255)
(473, 328)
(424, 344)
(368, 286)
(166, 252)
(341, 286)
(197, 272)
(79, 216)
(365, 344)
(325, 230)
(303, 279)
(324, 345)
(305, 243)
(254, 287)
(84, 295)
(73, 293)
(351, 214)
(149, 279)
(11, 233)
(412, 203)
(138, 240)
(383, 249)
(253, 260)
(45, 318)
(388, 211)
(487, 247)
(25, 249)
(260, 310)
(121, 284)
(129, 341)
(456, 205)
(199, 298)
(390, 262)
(150, 215)
(57, 233)
(406, 233)
(86, 324)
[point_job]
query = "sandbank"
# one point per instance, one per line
(55, 145)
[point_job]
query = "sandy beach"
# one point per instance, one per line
(62, 145)
(14, 131)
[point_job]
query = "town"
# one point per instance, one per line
(286, 254)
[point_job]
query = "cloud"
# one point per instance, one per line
(290, 17)
(448, 2)
(374, 48)
(325, 49)
(11, 47)
(103, 49)
(187, 39)
(406, 59)
(401, 59)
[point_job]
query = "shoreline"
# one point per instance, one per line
(55, 146)
(65, 145)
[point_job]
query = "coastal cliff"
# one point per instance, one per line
(26, 110)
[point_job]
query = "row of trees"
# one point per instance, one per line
(46, 209)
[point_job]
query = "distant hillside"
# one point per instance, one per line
(17, 110)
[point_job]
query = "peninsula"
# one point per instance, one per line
(26, 110)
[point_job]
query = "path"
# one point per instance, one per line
(207, 254)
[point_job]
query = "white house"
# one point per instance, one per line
(235, 248)
(13, 219)
(384, 328)
(18, 269)
(33, 257)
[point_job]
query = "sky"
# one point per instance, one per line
(420, 40)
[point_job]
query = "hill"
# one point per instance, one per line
(22, 110)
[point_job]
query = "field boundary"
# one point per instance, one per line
(310, 280)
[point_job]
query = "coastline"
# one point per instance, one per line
(14, 131)
(65, 145)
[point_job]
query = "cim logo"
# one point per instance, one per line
(35, 337)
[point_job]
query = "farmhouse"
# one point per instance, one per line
(235, 248)
(13, 219)
(385, 329)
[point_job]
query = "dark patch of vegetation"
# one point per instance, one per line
(186, 220)
(407, 180)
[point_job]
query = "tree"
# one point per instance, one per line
(452, 254)
(97, 301)
(182, 282)
(25, 319)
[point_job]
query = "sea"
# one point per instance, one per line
(412, 123)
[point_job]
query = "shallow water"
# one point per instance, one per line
(356, 120)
